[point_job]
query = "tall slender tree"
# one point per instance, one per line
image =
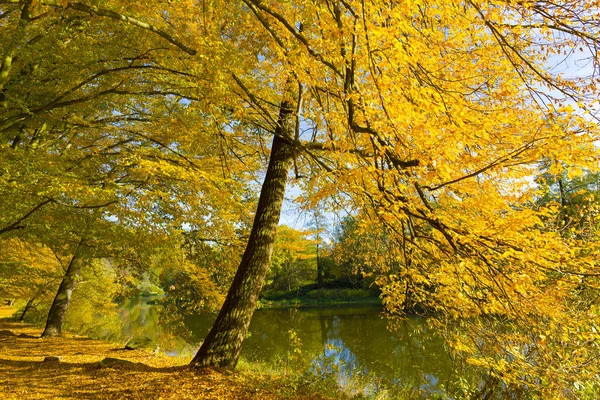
(223, 343)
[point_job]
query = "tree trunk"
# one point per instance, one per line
(60, 304)
(323, 325)
(28, 307)
(319, 270)
(222, 346)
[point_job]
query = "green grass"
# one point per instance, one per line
(291, 383)
(314, 297)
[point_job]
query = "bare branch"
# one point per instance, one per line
(15, 225)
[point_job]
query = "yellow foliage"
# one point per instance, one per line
(430, 118)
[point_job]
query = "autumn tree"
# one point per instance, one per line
(223, 343)
(428, 117)
(317, 223)
(28, 271)
(432, 117)
(293, 261)
(95, 131)
(358, 249)
(577, 199)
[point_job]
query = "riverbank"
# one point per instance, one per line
(29, 370)
(308, 297)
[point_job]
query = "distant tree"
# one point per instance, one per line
(357, 250)
(318, 224)
(293, 261)
(577, 198)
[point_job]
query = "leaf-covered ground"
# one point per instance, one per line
(25, 375)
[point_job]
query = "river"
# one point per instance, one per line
(350, 343)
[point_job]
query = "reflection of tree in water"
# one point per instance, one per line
(358, 343)
(269, 339)
(149, 318)
(346, 342)
(350, 342)
(139, 318)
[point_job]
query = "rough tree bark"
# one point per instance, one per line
(60, 304)
(222, 346)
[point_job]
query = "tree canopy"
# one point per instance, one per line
(429, 120)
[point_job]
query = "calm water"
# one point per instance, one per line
(344, 341)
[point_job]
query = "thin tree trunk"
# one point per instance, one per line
(60, 304)
(323, 325)
(27, 308)
(319, 270)
(222, 346)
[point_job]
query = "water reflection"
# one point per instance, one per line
(354, 342)
(346, 342)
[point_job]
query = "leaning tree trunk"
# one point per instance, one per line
(222, 346)
(28, 307)
(60, 304)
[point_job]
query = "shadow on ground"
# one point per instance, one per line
(81, 374)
